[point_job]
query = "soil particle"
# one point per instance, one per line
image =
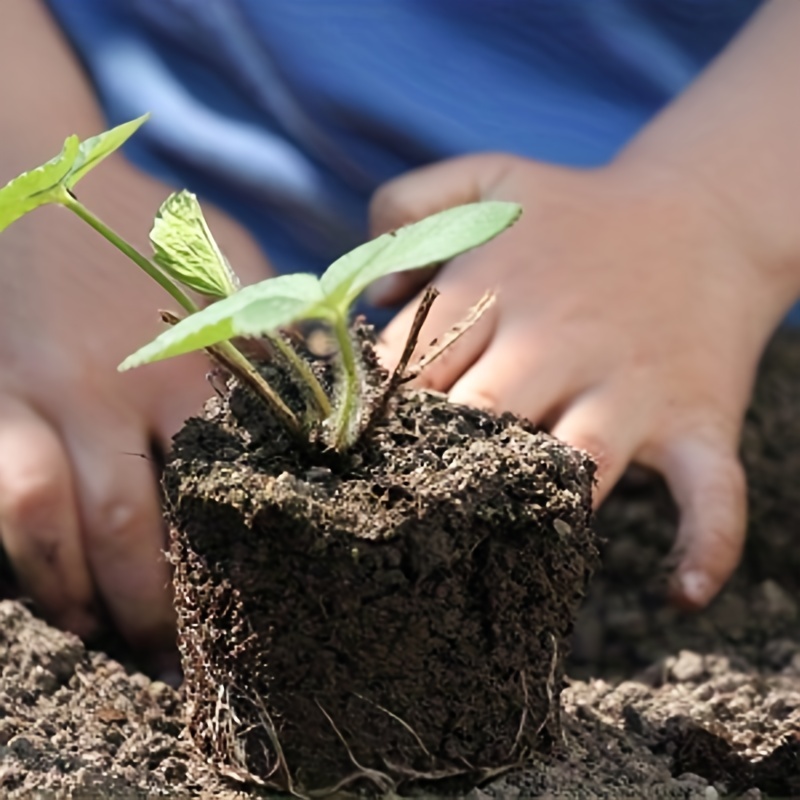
(399, 615)
(69, 718)
(633, 726)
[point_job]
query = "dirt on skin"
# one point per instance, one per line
(659, 704)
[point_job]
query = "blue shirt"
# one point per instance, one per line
(289, 113)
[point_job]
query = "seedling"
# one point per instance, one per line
(186, 255)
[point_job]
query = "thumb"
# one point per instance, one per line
(422, 192)
(708, 484)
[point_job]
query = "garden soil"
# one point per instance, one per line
(658, 703)
(394, 613)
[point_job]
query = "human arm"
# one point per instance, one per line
(634, 300)
(79, 508)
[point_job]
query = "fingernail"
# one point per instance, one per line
(382, 289)
(696, 587)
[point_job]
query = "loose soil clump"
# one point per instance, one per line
(398, 613)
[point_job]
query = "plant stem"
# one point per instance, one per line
(141, 261)
(306, 376)
(346, 421)
(225, 352)
(235, 362)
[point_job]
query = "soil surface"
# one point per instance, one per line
(658, 704)
(397, 613)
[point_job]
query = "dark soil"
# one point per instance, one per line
(397, 614)
(659, 704)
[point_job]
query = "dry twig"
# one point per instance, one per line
(398, 374)
(452, 336)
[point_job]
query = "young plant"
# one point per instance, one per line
(53, 184)
(185, 253)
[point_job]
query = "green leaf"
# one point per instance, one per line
(253, 311)
(185, 249)
(51, 182)
(37, 187)
(95, 149)
(432, 240)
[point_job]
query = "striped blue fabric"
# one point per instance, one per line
(289, 113)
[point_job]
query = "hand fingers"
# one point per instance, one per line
(530, 381)
(434, 188)
(422, 192)
(707, 481)
(392, 289)
(451, 307)
(39, 520)
(605, 426)
(123, 529)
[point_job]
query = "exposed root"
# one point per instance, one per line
(490, 773)
(434, 775)
(477, 545)
(230, 756)
(328, 791)
(227, 732)
(523, 719)
(479, 774)
(400, 721)
(383, 781)
(265, 721)
(550, 685)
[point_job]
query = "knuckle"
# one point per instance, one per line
(726, 491)
(30, 497)
(112, 520)
(389, 208)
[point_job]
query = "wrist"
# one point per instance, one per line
(758, 238)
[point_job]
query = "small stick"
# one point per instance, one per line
(431, 293)
(397, 376)
(226, 354)
(452, 336)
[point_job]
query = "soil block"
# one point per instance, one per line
(398, 614)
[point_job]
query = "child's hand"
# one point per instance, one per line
(630, 316)
(80, 515)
